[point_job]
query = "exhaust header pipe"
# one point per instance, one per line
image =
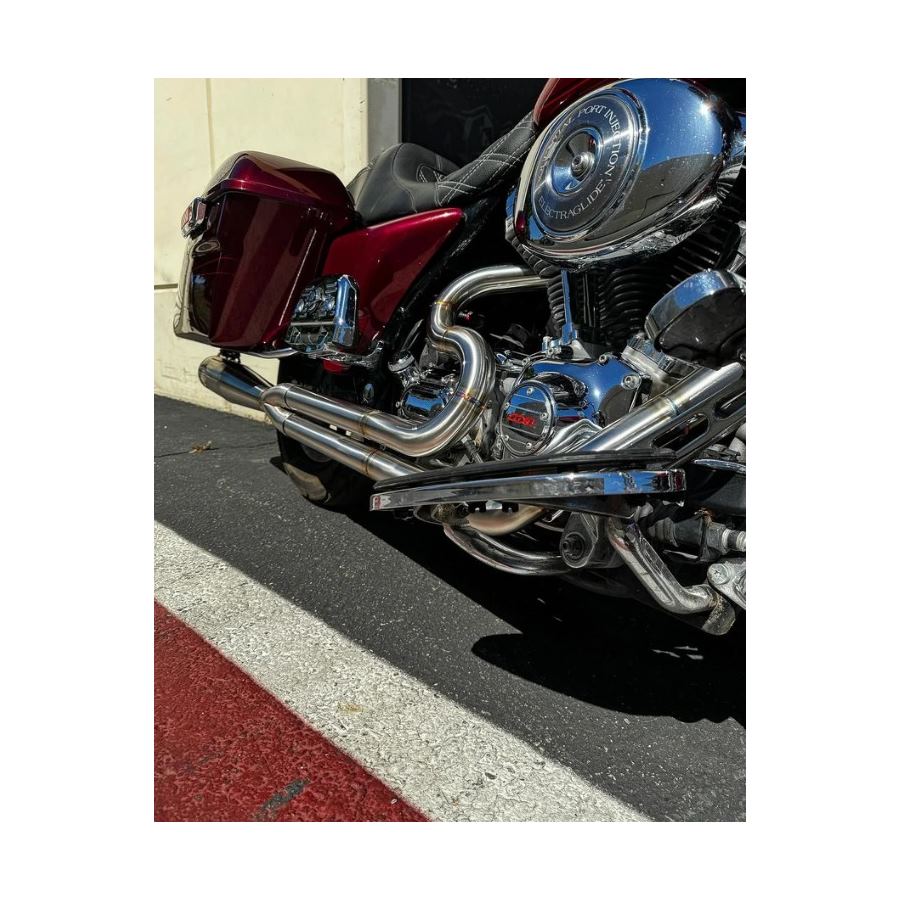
(240, 385)
(476, 377)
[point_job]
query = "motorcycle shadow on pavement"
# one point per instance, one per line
(610, 652)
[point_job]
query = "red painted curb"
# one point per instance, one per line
(228, 751)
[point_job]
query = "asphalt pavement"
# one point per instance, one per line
(637, 704)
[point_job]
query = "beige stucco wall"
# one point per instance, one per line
(199, 123)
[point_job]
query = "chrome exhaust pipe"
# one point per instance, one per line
(476, 377)
(374, 464)
(654, 574)
(698, 394)
(233, 382)
(237, 384)
(500, 556)
(708, 609)
(671, 408)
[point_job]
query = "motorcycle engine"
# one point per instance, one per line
(627, 193)
(626, 238)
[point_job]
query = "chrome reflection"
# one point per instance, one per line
(545, 489)
(232, 381)
(633, 168)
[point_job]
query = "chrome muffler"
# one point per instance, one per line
(233, 381)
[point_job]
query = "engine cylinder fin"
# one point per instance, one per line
(611, 302)
(557, 301)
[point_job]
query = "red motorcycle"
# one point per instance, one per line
(541, 352)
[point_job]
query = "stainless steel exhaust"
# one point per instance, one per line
(375, 464)
(675, 406)
(233, 382)
(654, 574)
(236, 383)
(500, 556)
(710, 610)
(476, 377)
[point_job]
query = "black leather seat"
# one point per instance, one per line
(407, 178)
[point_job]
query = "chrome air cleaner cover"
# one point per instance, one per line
(633, 168)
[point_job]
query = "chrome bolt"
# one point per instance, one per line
(631, 382)
(529, 391)
(718, 574)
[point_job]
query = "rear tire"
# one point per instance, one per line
(322, 481)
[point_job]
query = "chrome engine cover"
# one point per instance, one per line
(528, 418)
(554, 392)
(633, 168)
(424, 399)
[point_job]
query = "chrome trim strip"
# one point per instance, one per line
(535, 488)
(724, 465)
(280, 353)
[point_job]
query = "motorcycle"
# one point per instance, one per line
(541, 352)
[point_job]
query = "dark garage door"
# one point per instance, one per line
(459, 117)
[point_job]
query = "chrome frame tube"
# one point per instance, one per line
(476, 377)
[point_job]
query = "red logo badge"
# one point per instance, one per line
(518, 418)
